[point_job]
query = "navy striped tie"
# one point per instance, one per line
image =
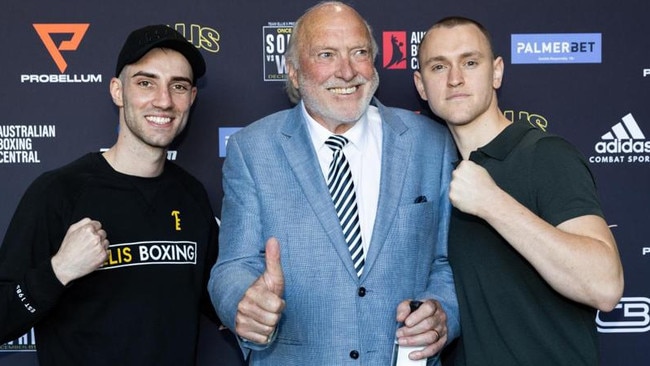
(339, 181)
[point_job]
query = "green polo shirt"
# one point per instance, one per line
(509, 314)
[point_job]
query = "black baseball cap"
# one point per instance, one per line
(143, 40)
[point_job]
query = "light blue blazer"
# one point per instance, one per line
(273, 186)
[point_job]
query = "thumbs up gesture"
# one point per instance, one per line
(259, 311)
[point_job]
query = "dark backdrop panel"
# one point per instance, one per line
(591, 104)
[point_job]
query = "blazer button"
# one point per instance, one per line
(354, 355)
(361, 291)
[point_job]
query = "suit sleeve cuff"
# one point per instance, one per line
(258, 346)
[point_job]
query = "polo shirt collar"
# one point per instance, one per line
(503, 143)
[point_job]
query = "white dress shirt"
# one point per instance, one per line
(364, 156)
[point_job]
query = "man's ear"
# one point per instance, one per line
(417, 80)
(116, 91)
(292, 73)
(498, 69)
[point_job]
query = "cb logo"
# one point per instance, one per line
(631, 315)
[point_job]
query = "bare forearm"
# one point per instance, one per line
(578, 258)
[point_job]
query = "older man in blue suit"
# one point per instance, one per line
(305, 277)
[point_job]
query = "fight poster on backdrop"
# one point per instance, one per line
(276, 39)
(579, 70)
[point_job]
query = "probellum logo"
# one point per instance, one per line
(624, 143)
(400, 49)
(631, 315)
(77, 32)
(59, 39)
(394, 44)
(276, 38)
(559, 48)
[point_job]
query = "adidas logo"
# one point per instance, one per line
(621, 130)
(625, 137)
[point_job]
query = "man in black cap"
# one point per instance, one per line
(108, 257)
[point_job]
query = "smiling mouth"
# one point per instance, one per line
(344, 91)
(158, 120)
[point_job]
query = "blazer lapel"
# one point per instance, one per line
(300, 155)
(396, 152)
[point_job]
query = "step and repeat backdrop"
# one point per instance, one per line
(580, 69)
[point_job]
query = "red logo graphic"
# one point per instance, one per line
(394, 44)
(45, 31)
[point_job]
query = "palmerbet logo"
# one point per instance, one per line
(624, 143)
(556, 48)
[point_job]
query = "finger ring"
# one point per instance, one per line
(437, 336)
